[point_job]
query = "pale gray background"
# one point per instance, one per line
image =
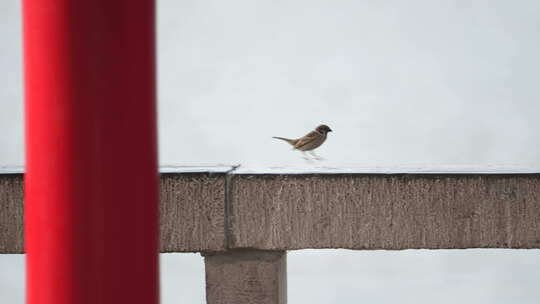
(400, 82)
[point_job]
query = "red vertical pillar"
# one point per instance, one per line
(91, 197)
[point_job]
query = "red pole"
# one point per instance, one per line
(91, 201)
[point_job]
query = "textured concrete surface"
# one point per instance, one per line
(354, 211)
(192, 212)
(11, 213)
(282, 212)
(246, 276)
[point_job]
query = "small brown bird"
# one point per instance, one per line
(310, 141)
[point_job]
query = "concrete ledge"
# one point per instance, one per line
(192, 212)
(354, 211)
(11, 213)
(362, 211)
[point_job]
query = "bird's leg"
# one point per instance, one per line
(305, 156)
(317, 157)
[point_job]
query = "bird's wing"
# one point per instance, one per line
(307, 139)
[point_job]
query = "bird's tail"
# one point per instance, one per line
(290, 141)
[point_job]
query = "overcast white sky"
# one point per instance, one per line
(400, 82)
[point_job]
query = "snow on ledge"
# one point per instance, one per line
(397, 169)
(162, 169)
(316, 168)
(196, 169)
(11, 169)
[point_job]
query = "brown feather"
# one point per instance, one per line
(310, 141)
(292, 142)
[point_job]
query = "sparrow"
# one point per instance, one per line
(310, 141)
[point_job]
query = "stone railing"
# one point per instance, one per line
(244, 220)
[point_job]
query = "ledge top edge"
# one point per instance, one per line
(328, 169)
(428, 169)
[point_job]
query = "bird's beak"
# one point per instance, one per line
(330, 130)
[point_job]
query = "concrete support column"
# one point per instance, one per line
(246, 276)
